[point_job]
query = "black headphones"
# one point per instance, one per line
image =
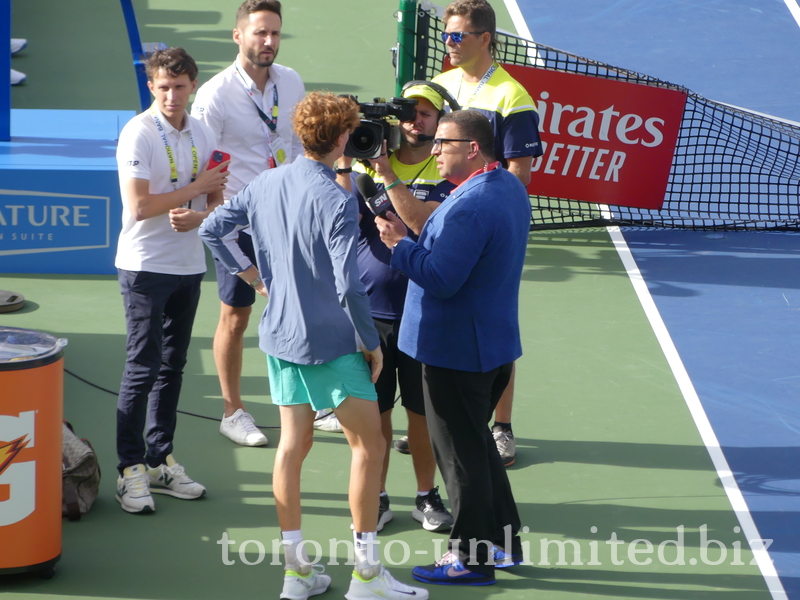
(446, 96)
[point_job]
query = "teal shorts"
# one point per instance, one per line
(321, 386)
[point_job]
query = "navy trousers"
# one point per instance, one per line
(159, 312)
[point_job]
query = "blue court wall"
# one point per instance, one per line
(60, 208)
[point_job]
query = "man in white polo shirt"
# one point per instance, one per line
(166, 193)
(249, 107)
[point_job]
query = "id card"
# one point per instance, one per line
(277, 148)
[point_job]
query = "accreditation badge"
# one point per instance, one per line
(277, 148)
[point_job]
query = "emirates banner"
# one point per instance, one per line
(604, 141)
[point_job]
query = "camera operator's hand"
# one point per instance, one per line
(392, 229)
(382, 166)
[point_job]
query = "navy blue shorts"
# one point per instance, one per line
(398, 369)
(232, 290)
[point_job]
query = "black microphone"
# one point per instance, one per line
(366, 185)
(377, 201)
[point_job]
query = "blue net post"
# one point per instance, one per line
(137, 52)
(5, 69)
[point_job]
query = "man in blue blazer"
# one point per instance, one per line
(461, 321)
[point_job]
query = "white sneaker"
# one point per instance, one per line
(241, 428)
(172, 480)
(300, 587)
(326, 420)
(18, 45)
(133, 490)
(382, 586)
(17, 77)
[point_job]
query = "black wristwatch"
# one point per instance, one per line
(344, 171)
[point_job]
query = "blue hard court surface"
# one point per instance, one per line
(731, 302)
(742, 52)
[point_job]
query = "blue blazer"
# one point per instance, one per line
(462, 304)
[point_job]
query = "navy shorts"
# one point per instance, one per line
(232, 290)
(398, 368)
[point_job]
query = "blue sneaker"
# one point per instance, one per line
(503, 560)
(449, 571)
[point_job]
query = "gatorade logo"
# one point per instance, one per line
(17, 477)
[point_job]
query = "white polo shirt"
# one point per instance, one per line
(151, 244)
(224, 104)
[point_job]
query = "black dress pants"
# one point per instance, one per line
(459, 406)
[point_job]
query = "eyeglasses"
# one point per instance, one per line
(437, 142)
(458, 36)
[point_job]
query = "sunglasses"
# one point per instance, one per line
(458, 36)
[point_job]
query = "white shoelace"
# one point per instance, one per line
(138, 485)
(246, 422)
(448, 558)
(177, 471)
(393, 583)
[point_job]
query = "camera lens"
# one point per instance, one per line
(362, 139)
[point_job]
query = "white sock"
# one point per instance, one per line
(368, 564)
(296, 558)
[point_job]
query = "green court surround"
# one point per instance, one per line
(604, 437)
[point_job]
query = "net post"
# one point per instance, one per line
(406, 35)
(423, 44)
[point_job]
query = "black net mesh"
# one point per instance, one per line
(732, 169)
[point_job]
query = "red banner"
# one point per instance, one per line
(605, 141)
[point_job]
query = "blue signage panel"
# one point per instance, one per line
(59, 221)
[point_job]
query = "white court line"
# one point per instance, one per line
(794, 9)
(701, 421)
(522, 30)
(519, 21)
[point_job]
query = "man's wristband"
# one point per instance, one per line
(393, 184)
(255, 282)
(343, 171)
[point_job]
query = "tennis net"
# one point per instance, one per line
(732, 169)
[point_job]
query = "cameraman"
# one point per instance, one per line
(415, 189)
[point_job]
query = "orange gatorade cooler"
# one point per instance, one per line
(31, 412)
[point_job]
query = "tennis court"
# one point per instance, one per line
(610, 462)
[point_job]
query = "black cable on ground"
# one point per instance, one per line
(183, 412)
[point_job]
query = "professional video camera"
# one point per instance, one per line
(379, 123)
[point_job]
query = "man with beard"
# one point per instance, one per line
(248, 106)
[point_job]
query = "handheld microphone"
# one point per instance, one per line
(377, 201)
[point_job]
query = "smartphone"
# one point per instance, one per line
(217, 157)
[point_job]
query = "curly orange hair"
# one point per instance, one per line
(319, 120)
